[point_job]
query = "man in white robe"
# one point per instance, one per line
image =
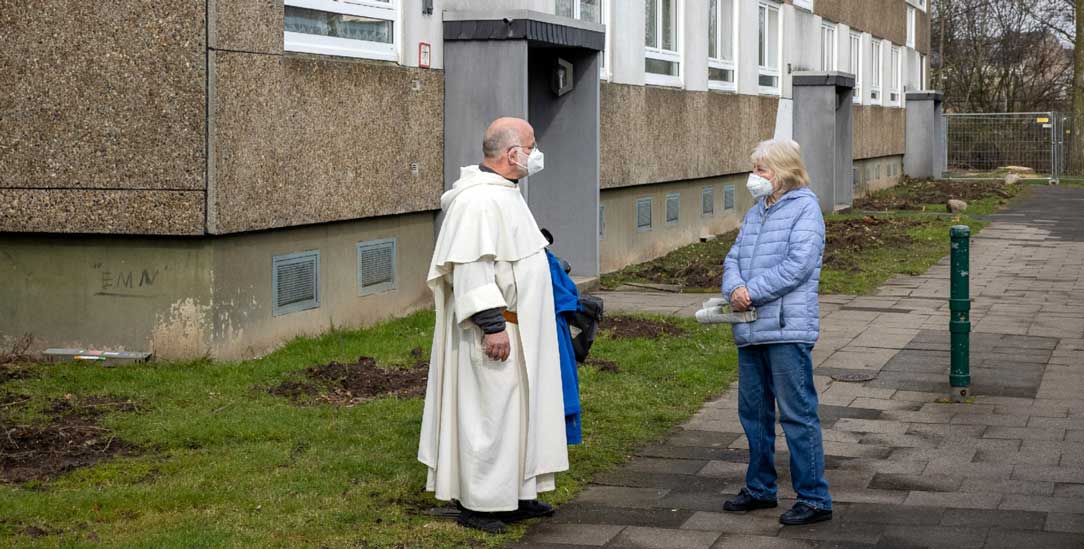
(493, 432)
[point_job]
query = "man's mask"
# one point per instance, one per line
(535, 161)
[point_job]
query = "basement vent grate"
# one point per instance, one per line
(376, 266)
(643, 214)
(295, 282)
(673, 204)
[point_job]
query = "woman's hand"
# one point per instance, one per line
(739, 300)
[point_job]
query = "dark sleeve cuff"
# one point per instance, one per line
(491, 321)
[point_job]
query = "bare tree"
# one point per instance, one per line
(998, 56)
(1065, 18)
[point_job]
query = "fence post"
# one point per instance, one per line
(1053, 146)
(960, 312)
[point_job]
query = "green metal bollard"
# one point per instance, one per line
(960, 312)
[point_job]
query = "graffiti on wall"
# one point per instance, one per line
(126, 282)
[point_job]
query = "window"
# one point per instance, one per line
(910, 27)
(584, 10)
(376, 266)
(769, 46)
(875, 73)
(856, 65)
(829, 59)
(894, 76)
(722, 44)
(673, 204)
(355, 28)
(601, 222)
(295, 282)
(643, 214)
(662, 59)
(707, 201)
(728, 197)
(920, 4)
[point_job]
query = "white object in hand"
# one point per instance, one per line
(717, 311)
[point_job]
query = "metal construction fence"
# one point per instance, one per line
(987, 144)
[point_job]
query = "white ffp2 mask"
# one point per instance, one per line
(758, 186)
(536, 162)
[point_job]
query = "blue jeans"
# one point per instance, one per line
(783, 373)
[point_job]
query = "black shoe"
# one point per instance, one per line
(804, 514)
(485, 522)
(528, 509)
(745, 502)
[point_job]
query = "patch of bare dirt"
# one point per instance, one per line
(628, 327)
(602, 365)
(35, 532)
(69, 437)
(914, 194)
(349, 384)
(846, 238)
(9, 372)
(698, 274)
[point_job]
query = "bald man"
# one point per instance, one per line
(493, 430)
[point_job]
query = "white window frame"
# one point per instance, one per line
(896, 54)
(920, 4)
(910, 27)
(719, 62)
(857, 57)
(876, 75)
(804, 4)
(763, 70)
(921, 72)
(671, 56)
(830, 36)
(346, 47)
(606, 59)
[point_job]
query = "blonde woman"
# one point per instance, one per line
(774, 267)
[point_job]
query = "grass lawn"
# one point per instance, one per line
(863, 249)
(225, 463)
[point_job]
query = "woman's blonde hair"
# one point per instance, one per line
(784, 157)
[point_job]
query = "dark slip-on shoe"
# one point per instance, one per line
(745, 502)
(528, 509)
(485, 522)
(802, 513)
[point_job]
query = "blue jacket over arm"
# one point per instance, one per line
(566, 300)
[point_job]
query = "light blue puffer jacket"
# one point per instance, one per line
(777, 257)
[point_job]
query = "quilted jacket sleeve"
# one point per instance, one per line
(805, 244)
(732, 279)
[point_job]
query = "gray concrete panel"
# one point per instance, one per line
(823, 126)
(564, 197)
(483, 80)
(925, 146)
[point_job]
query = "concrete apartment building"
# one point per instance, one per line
(215, 177)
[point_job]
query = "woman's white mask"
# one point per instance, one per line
(758, 186)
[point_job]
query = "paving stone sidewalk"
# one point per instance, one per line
(905, 470)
